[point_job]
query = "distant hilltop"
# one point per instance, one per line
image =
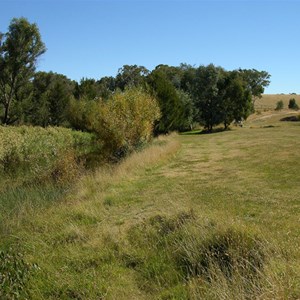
(268, 101)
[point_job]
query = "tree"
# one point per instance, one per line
(131, 76)
(256, 81)
(236, 103)
(106, 86)
(121, 124)
(187, 111)
(19, 49)
(293, 104)
(279, 105)
(187, 78)
(87, 88)
(169, 102)
(219, 96)
(50, 99)
(207, 94)
(173, 74)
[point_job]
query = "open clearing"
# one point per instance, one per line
(246, 177)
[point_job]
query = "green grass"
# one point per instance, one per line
(216, 218)
(17, 203)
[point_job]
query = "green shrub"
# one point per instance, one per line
(293, 104)
(279, 105)
(121, 124)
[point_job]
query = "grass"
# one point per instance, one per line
(269, 101)
(211, 216)
(35, 154)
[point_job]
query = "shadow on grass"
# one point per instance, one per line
(196, 132)
(291, 119)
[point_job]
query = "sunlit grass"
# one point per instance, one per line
(150, 227)
(269, 101)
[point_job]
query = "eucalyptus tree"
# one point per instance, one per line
(50, 99)
(207, 93)
(176, 106)
(131, 76)
(20, 48)
(256, 81)
(236, 103)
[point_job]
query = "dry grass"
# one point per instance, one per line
(269, 101)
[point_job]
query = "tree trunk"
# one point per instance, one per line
(8, 101)
(6, 110)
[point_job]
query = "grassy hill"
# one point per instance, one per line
(269, 101)
(193, 216)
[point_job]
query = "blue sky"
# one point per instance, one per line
(95, 38)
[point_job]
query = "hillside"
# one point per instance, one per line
(268, 101)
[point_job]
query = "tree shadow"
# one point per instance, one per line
(203, 131)
(291, 119)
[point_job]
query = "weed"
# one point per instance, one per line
(14, 273)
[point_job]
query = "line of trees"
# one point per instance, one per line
(208, 95)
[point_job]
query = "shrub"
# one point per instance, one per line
(65, 168)
(121, 124)
(279, 105)
(293, 104)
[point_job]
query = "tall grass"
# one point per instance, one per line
(36, 166)
(37, 149)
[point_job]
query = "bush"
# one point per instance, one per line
(121, 124)
(293, 104)
(279, 105)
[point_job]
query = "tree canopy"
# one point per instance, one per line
(186, 95)
(19, 49)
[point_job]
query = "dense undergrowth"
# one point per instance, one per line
(38, 152)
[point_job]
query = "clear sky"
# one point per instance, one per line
(95, 38)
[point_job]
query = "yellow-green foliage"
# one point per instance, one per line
(38, 148)
(122, 123)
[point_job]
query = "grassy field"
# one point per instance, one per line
(269, 101)
(193, 216)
